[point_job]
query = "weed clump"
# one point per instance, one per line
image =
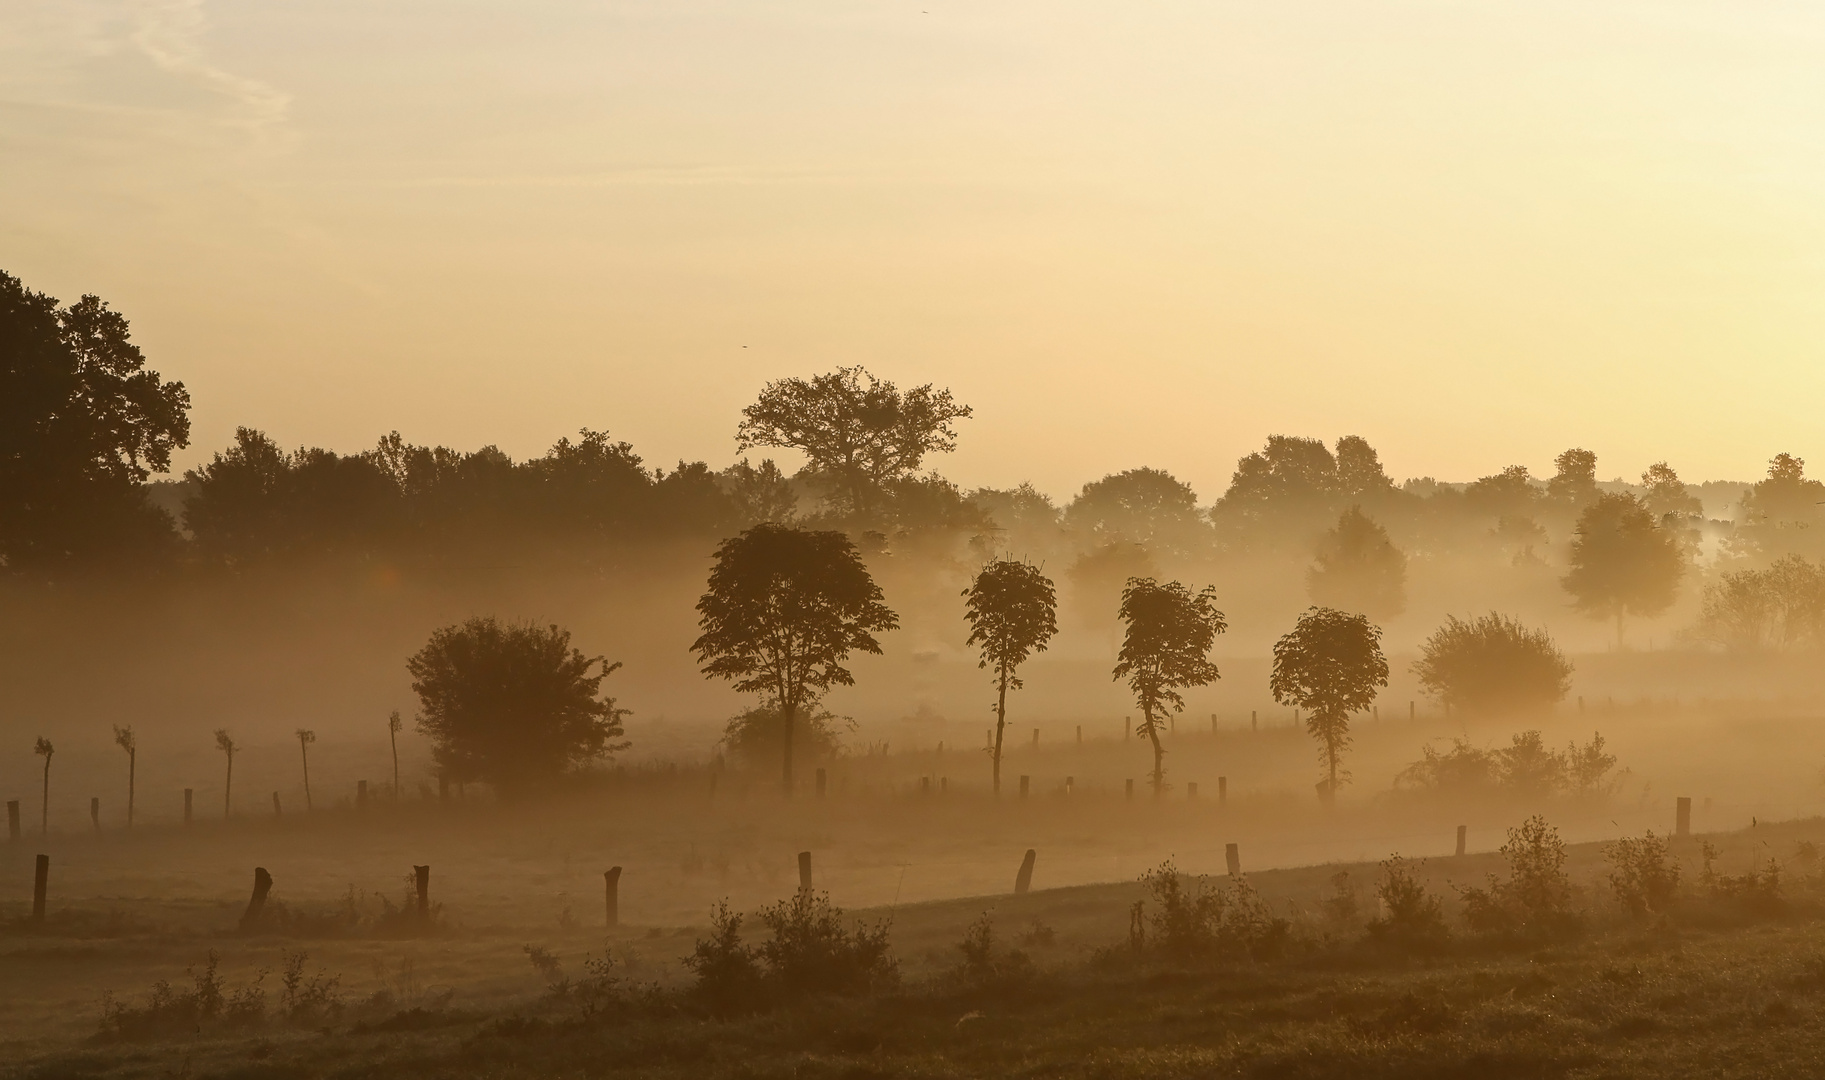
(171, 1011)
(1412, 919)
(988, 966)
(811, 953)
(1192, 919)
(1535, 901)
(595, 995)
(1643, 879)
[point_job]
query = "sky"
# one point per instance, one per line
(1127, 234)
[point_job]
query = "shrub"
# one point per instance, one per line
(1492, 664)
(170, 1011)
(1526, 767)
(728, 976)
(596, 993)
(985, 965)
(1340, 906)
(1756, 892)
(1642, 877)
(1412, 918)
(812, 953)
(307, 1001)
(1536, 899)
(1191, 919)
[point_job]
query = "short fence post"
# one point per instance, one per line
(1024, 880)
(1127, 728)
(262, 884)
(421, 879)
(1191, 791)
(1130, 790)
(1222, 791)
(1232, 857)
(1023, 786)
(1070, 784)
(95, 811)
(1213, 723)
(1412, 711)
(804, 871)
(1254, 720)
(925, 785)
(187, 805)
(1682, 817)
(12, 819)
(822, 782)
(276, 812)
(1080, 734)
(1035, 738)
(1462, 831)
(361, 794)
(40, 881)
(944, 784)
(611, 879)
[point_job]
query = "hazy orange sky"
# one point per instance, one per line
(1144, 233)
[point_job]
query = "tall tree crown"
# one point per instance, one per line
(1012, 610)
(1169, 634)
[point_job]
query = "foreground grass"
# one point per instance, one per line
(1746, 1002)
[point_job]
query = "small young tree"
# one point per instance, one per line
(305, 738)
(1357, 568)
(394, 723)
(1331, 664)
(227, 747)
(123, 738)
(44, 749)
(512, 704)
(1170, 631)
(1492, 664)
(1012, 611)
(1622, 561)
(784, 609)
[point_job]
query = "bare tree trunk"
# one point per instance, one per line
(132, 767)
(1001, 721)
(393, 737)
(44, 810)
(228, 790)
(788, 709)
(1159, 754)
(304, 750)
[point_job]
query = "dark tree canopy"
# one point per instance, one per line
(784, 609)
(1331, 664)
(1149, 507)
(1510, 493)
(1492, 664)
(1165, 649)
(513, 705)
(1622, 561)
(1783, 513)
(1012, 610)
(1666, 495)
(859, 433)
(1358, 568)
(1575, 483)
(83, 423)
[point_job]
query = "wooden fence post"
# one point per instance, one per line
(361, 794)
(611, 878)
(12, 820)
(1462, 832)
(1130, 790)
(1080, 734)
(1232, 857)
(421, 879)
(804, 871)
(187, 805)
(1222, 791)
(1682, 817)
(276, 812)
(41, 880)
(1191, 792)
(925, 785)
(1023, 786)
(1070, 784)
(1254, 720)
(262, 884)
(95, 811)
(1035, 738)
(1024, 880)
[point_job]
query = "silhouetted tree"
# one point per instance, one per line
(1359, 472)
(1779, 607)
(83, 423)
(1781, 513)
(1622, 561)
(1149, 507)
(1492, 664)
(1012, 611)
(1359, 569)
(305, 738)
(1331, 664)
(512, 704)
(1575, 484)
(1020, 517)
(1509, 493)
(758, 733)
(123, 738)
(44, 749)
(762, 493)
(394, 723)
(1288, 478)
(227, 747)
(784, 609)
(857, 432)
(1667, 495)
(1169, 634)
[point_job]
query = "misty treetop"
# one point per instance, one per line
(1492, 664)
(1168, 632)
(1331, 664)
(514, 705)
(1012, 610)
(783, 610)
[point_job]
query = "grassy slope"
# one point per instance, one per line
(1742, 1001)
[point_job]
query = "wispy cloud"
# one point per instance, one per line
(170, 33)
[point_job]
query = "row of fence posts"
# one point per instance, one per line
(421, 875)
(361, 802)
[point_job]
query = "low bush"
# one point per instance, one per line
(987, 966)
(171, 1011)
(1412, 920)
(1192, 919)
(1535, 901)
(811, 953)
(1643, 879)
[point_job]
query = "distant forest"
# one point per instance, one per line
(86, 425)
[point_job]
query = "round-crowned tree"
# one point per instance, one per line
(512, 705)
(1012, 611)
(1492, 664)
(1165, 648)
(1331, 664)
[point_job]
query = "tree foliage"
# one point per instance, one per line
(1149, 507)
(1492, 664)
(513, 705)
(857, 432)
(1169, 631)
(1331, 664)
(83, 423)
(1622, 561)
(1781, 607)
(1357, 568)
(784, 609)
